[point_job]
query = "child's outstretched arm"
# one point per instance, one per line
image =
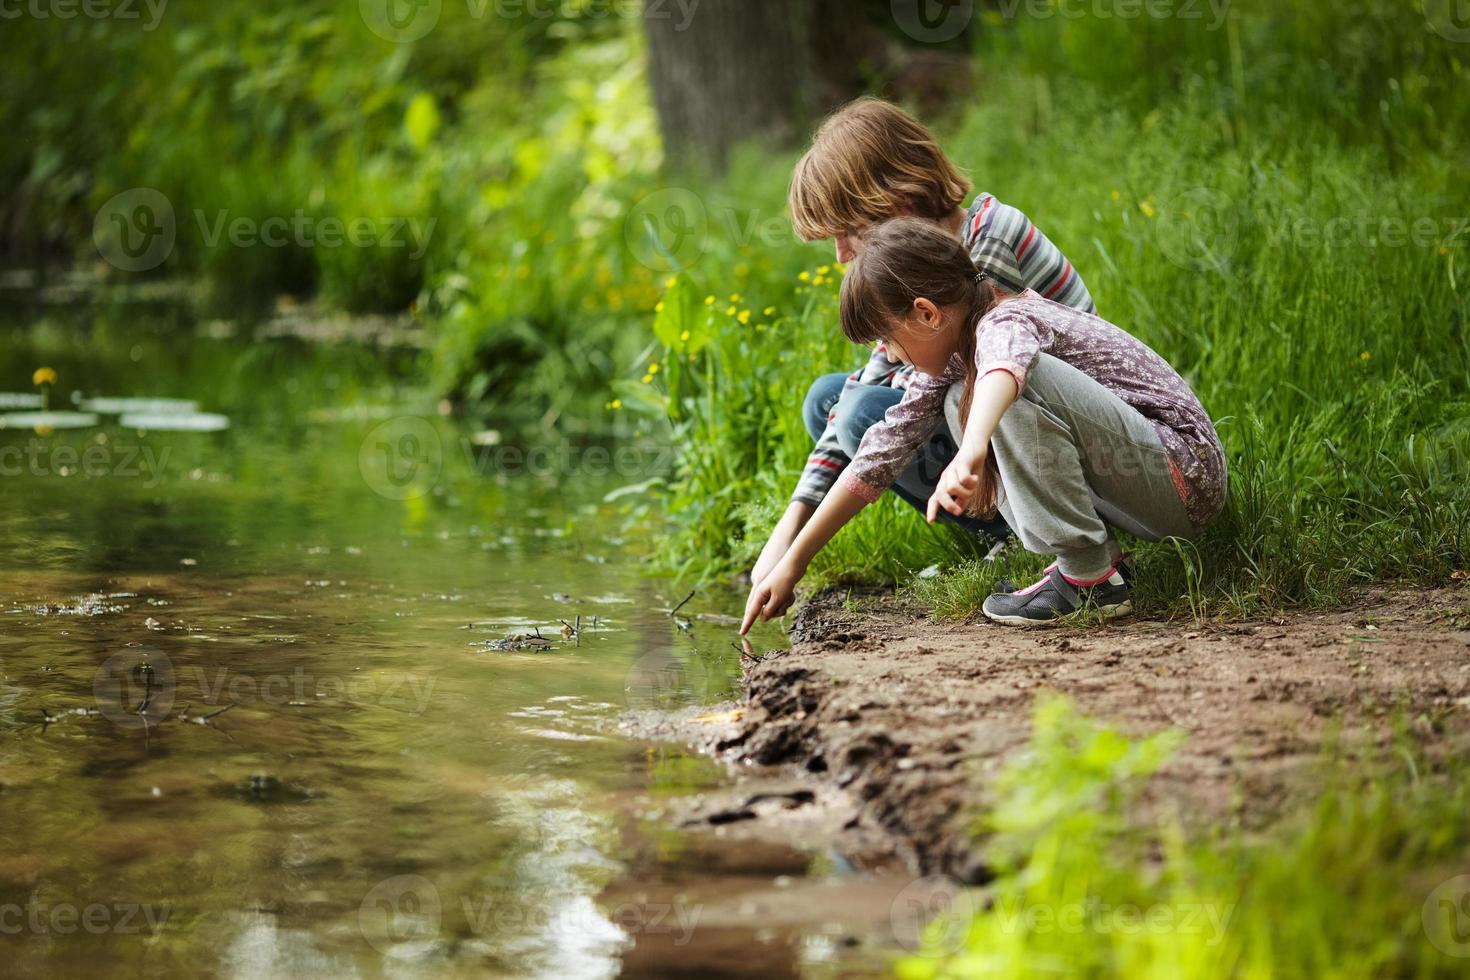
(773, 595)
(960, 481)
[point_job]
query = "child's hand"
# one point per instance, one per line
(772, 596)
(958, 484)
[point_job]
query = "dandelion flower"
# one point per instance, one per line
(1147, 208)
(615, 404)
(659, 308)
(824, 270)
(1365, 356)
(730, 311)
(684, 335)
(43, 376)
(769, 311)
(734, 297)
(653, 368)
(744, 316)
(804, 276)
(648, 379)
(669, 282)
(709, 301)
(1116, 196)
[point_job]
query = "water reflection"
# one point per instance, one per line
(252, 701)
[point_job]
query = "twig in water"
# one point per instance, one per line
(682, 604)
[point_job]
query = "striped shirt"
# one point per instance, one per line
(1013, 252)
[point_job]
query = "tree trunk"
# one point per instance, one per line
(728, 71)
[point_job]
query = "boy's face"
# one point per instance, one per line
(847, 246)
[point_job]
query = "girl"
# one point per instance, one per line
(1069, 425)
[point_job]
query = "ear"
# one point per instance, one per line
(927, 313)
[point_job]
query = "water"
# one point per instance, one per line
(257, 714)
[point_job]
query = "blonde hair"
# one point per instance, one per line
(869, 161)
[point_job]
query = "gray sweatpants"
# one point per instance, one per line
(1075, 462)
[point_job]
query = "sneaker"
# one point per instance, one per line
(1054, 598)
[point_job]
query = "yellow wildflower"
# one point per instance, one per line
(684, 335)
(709, 301)
(804, 276)
(43, 376)
(648, 379)
(653, 367)
(615, 404)
(1147, 208)
(669, 282)
(734, 297)
(730, 311)
(1365, 356)
(824, 270)
(769, 311)
(659, 308)
(1116, 196)
(744, 316)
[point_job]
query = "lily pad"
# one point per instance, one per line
(170, 422)
(143, 406)
(47, 420)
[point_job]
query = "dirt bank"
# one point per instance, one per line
(895, 723)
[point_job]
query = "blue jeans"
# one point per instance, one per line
(857, 411)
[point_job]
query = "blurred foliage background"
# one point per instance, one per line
(605, 256)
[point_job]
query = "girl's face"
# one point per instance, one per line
(926, 338)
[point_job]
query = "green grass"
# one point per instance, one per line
(1349, 886)
(1233, 220)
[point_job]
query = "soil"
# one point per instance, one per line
(884, 729)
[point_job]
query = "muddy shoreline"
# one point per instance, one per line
(877, 733)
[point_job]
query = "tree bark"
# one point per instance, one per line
(729, 71)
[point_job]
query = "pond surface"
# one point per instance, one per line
(332, 689)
